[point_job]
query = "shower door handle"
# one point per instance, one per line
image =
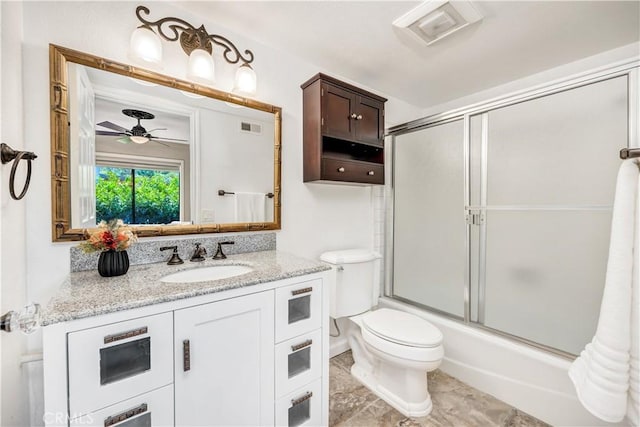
(475, 218)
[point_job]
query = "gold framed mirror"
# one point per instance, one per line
(216, 206)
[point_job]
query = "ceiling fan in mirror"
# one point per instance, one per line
(137, 134)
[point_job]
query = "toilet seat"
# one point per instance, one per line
(401, 335)
(402, 328)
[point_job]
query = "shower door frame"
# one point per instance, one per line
(629, 68)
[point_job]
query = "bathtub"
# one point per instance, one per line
(527, 378)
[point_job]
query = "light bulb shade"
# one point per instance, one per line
(246, 80)
(145, 46)
(139, 139)
(191, 95)
(200, 68)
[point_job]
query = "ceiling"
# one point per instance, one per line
(356, 40)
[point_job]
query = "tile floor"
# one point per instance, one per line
(455, 404)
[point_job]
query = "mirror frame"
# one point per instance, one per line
(60, 147)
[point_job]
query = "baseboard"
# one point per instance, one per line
(338, 345)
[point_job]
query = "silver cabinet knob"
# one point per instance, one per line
(340, 169)
(371, 173)
(354, 116)
(359, 117)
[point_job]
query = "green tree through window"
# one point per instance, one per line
(137, 196)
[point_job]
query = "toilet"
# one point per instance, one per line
(392, 350)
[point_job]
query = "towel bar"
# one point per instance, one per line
(222, 193)
(629, 153)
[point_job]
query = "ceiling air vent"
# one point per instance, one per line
(433, 20)
(250, 127)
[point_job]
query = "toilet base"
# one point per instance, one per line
(399, 381)
(410, 409)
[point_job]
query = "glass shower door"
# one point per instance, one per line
(547, 180)
(429, 262)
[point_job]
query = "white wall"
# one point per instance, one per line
(1, 193)
(315, 217)
(221, 170)
(12, 225)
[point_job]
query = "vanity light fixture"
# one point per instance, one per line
(146, 46)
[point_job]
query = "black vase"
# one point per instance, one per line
(113, 263)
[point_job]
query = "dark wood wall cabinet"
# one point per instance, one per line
(343, 132)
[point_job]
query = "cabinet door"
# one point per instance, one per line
(369, 120)
(338, 106)
(224, 362)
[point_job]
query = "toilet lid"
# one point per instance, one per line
(402, 328)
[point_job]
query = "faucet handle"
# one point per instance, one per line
(175, 256)
(199, 253)
(219, 254)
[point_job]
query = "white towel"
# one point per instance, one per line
(605, 374)
(250, 207)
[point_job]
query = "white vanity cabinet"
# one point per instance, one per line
(248, 356)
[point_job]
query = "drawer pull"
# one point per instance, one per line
(302, 345)
(301, 291)
(371, 173)
(341, 169)
(115, 419)
(359, 117)
(353, 115)
(186, 356)
(296, 402)
(124, 335)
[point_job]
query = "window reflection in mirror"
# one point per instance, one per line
(137, 196)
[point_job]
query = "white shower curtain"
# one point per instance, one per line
(606, 374)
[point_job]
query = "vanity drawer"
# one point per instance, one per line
(114, 362)
(301, 407)
(298, 309)
(148, 410)
(352, 171)
(298, 362)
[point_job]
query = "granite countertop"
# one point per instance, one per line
(86, 294)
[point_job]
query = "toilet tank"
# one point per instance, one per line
(352, 288)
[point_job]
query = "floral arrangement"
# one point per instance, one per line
(110, 236)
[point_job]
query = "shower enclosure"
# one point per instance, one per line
(501, 211)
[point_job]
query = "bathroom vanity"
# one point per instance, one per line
(135, 350)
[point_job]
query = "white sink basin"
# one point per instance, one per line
(207, 273)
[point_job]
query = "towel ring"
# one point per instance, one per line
(8, 154)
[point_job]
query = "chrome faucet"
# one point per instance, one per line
(198, 253)
(175, 257)
(219, 254)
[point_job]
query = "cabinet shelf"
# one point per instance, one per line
(343, 132)
(346, 150)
